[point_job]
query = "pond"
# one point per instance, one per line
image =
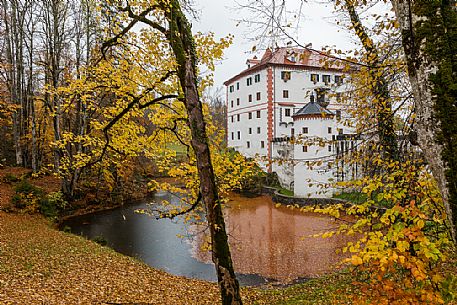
(267, 243)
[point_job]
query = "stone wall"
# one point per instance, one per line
(284, 199)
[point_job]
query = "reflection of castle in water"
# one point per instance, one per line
(275, 242)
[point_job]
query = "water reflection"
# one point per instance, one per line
(155, 242)
(266, 242)
(275, 242)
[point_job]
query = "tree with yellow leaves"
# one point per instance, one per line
(152, 74)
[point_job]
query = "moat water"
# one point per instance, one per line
(268, 244)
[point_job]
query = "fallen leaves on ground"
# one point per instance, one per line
(40, 265)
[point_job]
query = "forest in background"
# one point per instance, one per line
(60, 101)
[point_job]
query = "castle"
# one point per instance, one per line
(285, 107)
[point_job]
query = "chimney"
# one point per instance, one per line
(252, 62)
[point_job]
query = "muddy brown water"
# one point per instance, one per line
(267, 243)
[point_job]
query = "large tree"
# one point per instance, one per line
(167, 18)
(429, 31)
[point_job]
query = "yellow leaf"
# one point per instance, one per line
(356, 260)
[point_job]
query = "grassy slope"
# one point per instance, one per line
(331, 289)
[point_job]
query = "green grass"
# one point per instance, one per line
(325, 290)
(354, 197)
(286, 192)
(178, 148)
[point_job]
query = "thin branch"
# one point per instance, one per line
(169, 215)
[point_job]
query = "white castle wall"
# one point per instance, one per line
(310, 177)
(294, 174)
(248, 128)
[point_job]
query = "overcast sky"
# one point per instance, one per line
(317, 27)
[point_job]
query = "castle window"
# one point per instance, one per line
(258, 96)
(231, 88)
(238, 86)
(285, 93)
(315, 78)
(262, 144)
(232, 119)
(329, 129)
(250, 98)
(287, 112)
(233, 136)
(330, 148)
(285, 75)
(257, 78)
(338, 79)
(231, 103)
(237, 101)
(250, 115)
(258, 114)
(238, 133)
(248, 144)
(250, 130)
(305, 148)
(305, 130)
(258, 130)
(326, 79)
(238, 117)
(249, 81)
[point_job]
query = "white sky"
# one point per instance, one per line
(317, 27)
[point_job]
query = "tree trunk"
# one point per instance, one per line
(430, 42)
(182, 43)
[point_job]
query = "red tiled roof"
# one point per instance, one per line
(293, 57)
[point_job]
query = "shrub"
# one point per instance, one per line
(16, 200)
(47, 208)
(100, 240)
(32, 199)
(52, 204)
(10, 178)
(25, 187)
(27, 197)
(57, 199)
